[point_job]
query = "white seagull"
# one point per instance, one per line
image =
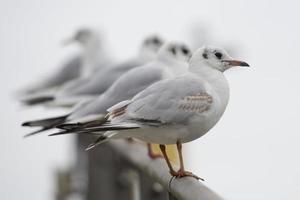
(176, 110)
(94, 56)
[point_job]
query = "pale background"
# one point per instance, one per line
(252, 153)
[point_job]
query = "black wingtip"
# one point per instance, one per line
(69, 126)
(38, 100)
(60, 133)
(35, 132)
(80, 125)
(47, 122)
(26, 124)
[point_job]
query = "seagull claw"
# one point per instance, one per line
(181, 173)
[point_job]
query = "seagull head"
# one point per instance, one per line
(85, 37)
(216, 58)
(176, 51)
(151, 45)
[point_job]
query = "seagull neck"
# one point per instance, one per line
(146, 55)
(215, 78)
(93, 56)
(167, 59)
(93, 51)
(174, 66)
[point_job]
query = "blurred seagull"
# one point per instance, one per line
(75, 92)
(92, 55)
(174, 111)
(171, 61)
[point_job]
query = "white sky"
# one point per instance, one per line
(252, 153)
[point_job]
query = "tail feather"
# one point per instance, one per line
(38, 100)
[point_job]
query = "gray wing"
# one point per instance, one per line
(128, 85)
(168, 101)
(103, 79)
(69, 71)
(69, 86)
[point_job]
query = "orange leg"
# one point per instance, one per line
(181, 172)
(163, 150)
(151, 154)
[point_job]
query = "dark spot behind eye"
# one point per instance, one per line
(173, 50)
(185, 50)
(205, 55)
(218, 55)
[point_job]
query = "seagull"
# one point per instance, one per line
(176, 110)
(70, 70)
(95, 52)
(102, 79)
(93, 55)
(171, 60)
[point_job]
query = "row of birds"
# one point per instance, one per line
(167, 94)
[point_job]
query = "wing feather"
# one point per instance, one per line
(168, 101)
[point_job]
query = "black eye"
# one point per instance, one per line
(205, 55)
(218, 55)
(185, 51)
(156, 40)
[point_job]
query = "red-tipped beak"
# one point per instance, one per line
(236, 63)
